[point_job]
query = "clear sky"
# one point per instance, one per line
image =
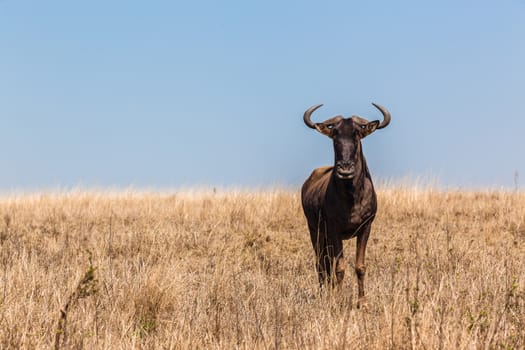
(162, 94)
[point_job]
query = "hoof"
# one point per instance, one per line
(362, 304)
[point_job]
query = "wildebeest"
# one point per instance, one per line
(339, 201)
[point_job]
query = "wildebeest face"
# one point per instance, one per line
(346, 135)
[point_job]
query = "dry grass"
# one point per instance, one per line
(446, 270)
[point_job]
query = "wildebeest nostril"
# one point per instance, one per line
(345, 165)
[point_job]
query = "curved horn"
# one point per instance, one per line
(307, 115)
(386, 116)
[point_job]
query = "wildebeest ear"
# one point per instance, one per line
(324, 129)
(368, 128)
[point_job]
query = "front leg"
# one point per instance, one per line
(339, 261)
(330, 261)
(360, 267)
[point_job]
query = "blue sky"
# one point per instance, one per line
(164, 94)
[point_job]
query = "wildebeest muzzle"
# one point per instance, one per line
(345, 170)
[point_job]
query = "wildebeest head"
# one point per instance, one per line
(346, 134)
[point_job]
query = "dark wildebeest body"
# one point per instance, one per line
(339, 201)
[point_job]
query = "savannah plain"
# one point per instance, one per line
(235, 270)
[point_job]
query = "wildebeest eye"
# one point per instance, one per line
(330, 126)
(363, 127)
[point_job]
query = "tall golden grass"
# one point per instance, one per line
(132, 270)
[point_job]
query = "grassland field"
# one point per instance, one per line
(235, 270)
